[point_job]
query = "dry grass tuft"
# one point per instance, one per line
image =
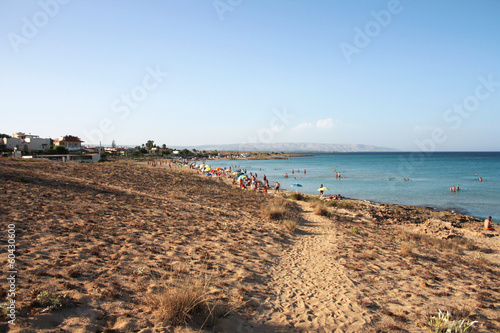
(480, 262)
(283, 211)
(406, 249)
(297, 196)
(462, 312)
(274, 210)
(465, 243)
(367, 255)
(320, 209)
(176, 305)
(74, 271)
(455, 244)
(332, 203)
(290, 225)
(346, 205)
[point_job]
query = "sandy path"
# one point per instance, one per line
(308, 289)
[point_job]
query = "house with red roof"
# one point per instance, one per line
(69, 141)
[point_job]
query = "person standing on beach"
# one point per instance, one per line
(277, 188)
(321, 191)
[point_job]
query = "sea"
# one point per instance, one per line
(406, 178)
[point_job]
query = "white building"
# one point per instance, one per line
(11, 143)
(26, 142)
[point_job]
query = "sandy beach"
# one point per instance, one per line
(128, 247)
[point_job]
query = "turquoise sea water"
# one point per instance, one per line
(367, 177)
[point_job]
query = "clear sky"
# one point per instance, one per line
(409, 75)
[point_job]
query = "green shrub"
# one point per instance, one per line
(442, 323)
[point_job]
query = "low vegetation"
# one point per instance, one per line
(297, 196)
(290, 225)
(319, 208)
(175, 305)
(283, 211)
(443, 323)
(455, 244)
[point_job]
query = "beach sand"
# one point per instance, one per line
(115, 247)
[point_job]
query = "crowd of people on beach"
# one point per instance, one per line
(248, 180)
(239, 176)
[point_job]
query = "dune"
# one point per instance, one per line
(128, 247)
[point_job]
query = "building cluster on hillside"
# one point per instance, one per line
(25, 142)
(25, 145)
(29, 142)
(28, 145)
(70, 148)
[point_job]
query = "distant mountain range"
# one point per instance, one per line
(293, 147)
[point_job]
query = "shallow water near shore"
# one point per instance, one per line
(379, 177)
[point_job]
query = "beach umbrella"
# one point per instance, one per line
(296, 185)
(323, 188)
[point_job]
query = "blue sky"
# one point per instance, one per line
(409, 75)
